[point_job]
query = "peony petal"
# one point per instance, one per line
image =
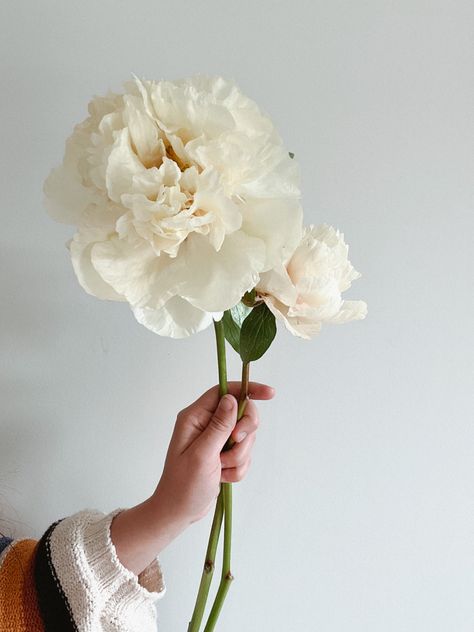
(135, 271)
(279, 223)
(277, 283)
(297, 326)
(144, 133)
(226, 215)
(87, 275)
(123, 165)
(275, 175)
(350, 310)
(219, 279)
(65, 197)
(176, 319)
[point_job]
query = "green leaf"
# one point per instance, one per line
(257, 333)
(240, 312)
(232, 321)
(231, 330)
(291, 154)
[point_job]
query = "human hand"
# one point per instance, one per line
(195, 464)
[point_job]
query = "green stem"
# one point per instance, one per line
(243, 398)
(221, 359)
(227, 577)
(208, 571)
(209, 566)
(244, 389)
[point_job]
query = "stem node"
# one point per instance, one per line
(209, 566)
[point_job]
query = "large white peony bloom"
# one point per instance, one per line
(306, 291)
(182, 194)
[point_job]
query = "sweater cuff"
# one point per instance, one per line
(149, 584)
(82, 553)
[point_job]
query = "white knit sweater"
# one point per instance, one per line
(80, 582)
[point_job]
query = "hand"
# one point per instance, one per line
(195, 464)
(193, 470)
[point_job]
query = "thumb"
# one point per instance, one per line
(221, 424)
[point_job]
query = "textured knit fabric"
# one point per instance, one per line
(18, 602)
(72, 580)
(4, 542)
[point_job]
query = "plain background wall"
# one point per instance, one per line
(358, 512)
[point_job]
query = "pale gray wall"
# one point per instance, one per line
(357, 514)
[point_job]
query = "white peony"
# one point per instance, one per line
(182, 194)
(306, 291)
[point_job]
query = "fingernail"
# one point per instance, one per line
(227, 402)
(241, 436)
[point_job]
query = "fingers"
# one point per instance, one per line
(256, 390)
(210, 398)
(193, 421)
(235, 474)
(239, 454)
(220, 425)
(236, 461)
(248, 423)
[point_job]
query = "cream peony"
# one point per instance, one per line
(182, 194)
(306, 291)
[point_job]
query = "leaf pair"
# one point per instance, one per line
(250, 330)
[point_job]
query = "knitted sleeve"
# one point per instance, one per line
(81, 584)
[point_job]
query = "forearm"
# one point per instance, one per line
(140, 533)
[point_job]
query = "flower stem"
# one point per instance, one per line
(244, 389)
(243, 397)
(221, 359)
(209, 563)
(208, 570)
(227, 577)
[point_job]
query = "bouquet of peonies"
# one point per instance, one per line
(187, 207)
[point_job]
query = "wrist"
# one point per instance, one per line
(166, 513)
(140, 533)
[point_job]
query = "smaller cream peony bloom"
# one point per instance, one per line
(306, 291)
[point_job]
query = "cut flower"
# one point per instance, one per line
(182, 194)
(306, 291)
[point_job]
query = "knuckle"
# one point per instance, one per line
(181, 416)
(239, 474)
(242, 470)
(219, 422)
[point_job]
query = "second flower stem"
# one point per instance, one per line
(223, 509)
(208, 570)
(209, 563)
(226, 489)
(226, 577)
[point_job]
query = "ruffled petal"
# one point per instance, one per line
(65, 196)
(135, 271)
(176, 319)
(301, 327)
(219, 279)
(144, 132)
(279, 223)
(277, 283)
(122, 166)
(350, 310)
(86, 274)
